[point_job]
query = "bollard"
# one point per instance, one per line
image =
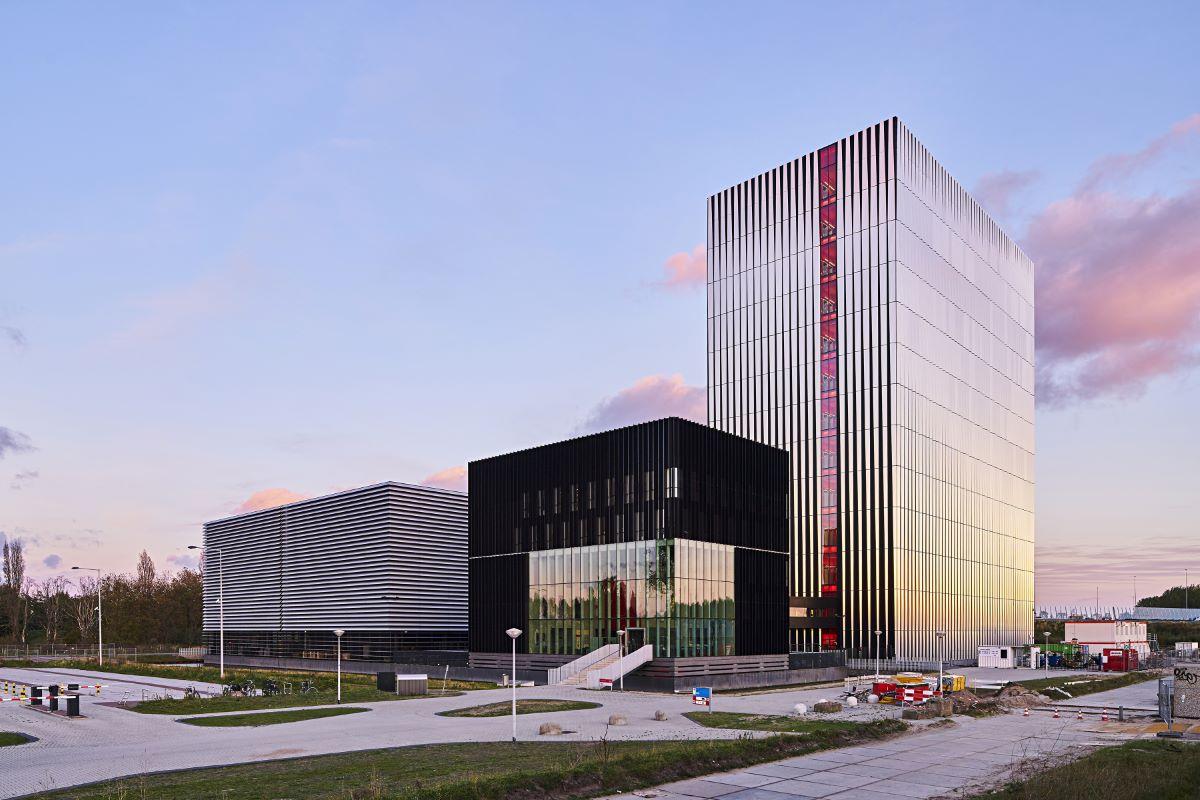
(1104, 716)
(1056, 712)
(72, 705)
(1026, 714)
(1079, 714)
(53, 703)
(1120, 713)
(35, 695)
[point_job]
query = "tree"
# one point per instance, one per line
(52, 597)
(13, 567)
(83, 607)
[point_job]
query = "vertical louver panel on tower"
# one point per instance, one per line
(865, 314)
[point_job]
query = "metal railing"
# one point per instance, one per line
(613, 671)
(83, 652)
(560, 674)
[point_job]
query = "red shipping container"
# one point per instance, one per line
(1115, 659)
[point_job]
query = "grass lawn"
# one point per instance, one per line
(7, 738)
(1138, 770)
(1079, 685)
(773, 723)
(268, 717)
(473, 771)
(356, 688)
(531, 706)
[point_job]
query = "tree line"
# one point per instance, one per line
(1175, 597)
(143, 608)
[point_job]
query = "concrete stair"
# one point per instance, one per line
(580, 678)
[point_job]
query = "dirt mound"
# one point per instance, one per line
(1008, 698)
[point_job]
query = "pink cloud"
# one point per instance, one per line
(651, 397)
(1118, 284)
(269, 498)
(1069, 574)
(453, 478)
(687, 270)
(995, 191)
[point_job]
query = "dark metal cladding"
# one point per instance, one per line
(666, 481)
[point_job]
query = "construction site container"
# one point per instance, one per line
(999, 657)
(1114, 659)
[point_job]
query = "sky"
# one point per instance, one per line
(256, 252)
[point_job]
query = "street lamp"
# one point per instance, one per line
(220, 596)
(99, 614)
(338, 633)
(513, 633)
(620, 666)
(877, 635)
(941, 636)
(1046, 655)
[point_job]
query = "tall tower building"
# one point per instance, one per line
(865, 314)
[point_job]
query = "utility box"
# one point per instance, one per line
(397, 683)
(1185, 702)
(999, 657)
(1113, 659)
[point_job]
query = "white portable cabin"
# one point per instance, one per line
(1001, 657)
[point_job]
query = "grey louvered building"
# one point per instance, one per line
(386, 563)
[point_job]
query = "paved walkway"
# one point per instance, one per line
(113, 742)
(948, 760)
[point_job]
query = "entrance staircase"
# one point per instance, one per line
(581, 678)
(601, 668)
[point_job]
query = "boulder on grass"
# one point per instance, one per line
(827, 707)
(549, 729)
(617, 719)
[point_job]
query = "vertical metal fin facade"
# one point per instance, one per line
(912, 475)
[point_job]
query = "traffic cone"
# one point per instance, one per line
(1026, 714)
(1104, 716)
(1056, 713)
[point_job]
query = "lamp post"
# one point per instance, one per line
(877, 635)
(513, 633)
(1046, 655)
(620, 666)
(338, 633)
(1185, 588)
(99, 614)
(220, 597)
(941, 637)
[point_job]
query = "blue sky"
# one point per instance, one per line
(309, 246)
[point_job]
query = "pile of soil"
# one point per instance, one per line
(1009, 698)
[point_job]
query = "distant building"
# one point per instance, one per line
(868, 316)
(386, 563)
(669, 530)
(1096, 635)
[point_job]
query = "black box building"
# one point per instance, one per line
(672, 531)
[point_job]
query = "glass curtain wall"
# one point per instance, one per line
(674, 594)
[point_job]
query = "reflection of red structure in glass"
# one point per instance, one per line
(829, 426)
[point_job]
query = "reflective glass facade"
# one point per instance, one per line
(868, 316)
(675, 594)
(672, 530)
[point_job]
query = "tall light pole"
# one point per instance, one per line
(941, 636)
(878, 633)
(513, 633)
(621, 645)
(1185, 588)
(220, 595)
(338, 633)
(99, 613)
